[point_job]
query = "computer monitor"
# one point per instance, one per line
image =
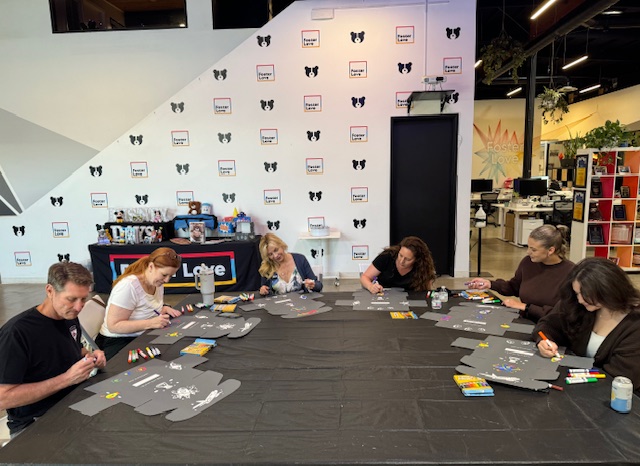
(532, 187)
(481, 186)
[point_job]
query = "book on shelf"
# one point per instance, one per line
(473, 386)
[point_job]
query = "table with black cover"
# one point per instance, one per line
(343, 387)
(236, 264)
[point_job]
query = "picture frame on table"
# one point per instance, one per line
(197, 232)
(595, 234)
(621, 233)
(599, 170)
(623, 169)
(625, 191)
(619, 212)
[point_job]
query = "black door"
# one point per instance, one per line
(424, 155)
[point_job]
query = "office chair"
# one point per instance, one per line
(562, 214)
(486, 199)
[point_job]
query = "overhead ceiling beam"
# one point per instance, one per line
(562, 28)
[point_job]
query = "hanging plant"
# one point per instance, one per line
(500, 51)
(553, 105)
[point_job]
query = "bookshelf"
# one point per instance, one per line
(606, 217)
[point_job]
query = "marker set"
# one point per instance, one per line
(151, 353)
(577, 376)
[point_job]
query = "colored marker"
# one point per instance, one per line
(556, 387)
(134, 356)
(155, 351)
(574, 380)
(141, 353)
(150, 353)
(584, 371)
(590, 376)
(544, 337)
(130, 357)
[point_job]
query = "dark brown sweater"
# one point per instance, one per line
(536, 284)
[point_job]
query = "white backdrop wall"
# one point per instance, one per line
(213, 124)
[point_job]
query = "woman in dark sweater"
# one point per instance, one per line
(538, 277)
(597, 316)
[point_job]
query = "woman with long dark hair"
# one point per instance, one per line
(598, 316)
(407, 265)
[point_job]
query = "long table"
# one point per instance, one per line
(343, 387)
(236, 264)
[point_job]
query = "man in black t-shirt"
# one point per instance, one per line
(41, 358)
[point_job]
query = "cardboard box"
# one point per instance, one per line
(510, 220)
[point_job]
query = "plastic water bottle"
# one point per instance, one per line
(444, 295)
(435, 300)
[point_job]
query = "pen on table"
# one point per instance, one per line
(584, 371)
(590, 375)
(544, 337)
(574, 380)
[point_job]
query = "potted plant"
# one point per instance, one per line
(500, 51)
(553, 105)
(571, 147)
(607, 136)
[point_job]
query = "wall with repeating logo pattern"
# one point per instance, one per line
(292, 128)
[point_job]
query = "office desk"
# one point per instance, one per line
(343, 387)
(236, 262)
(476, 197)
(519, 212)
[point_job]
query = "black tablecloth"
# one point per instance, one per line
(237, 264)
(343, 387)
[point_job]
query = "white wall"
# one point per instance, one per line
(383, 81)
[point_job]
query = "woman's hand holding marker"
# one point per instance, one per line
(547, 348)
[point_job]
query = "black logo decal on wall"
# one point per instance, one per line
(359, 224)
(404, 68)
(96, 171)
(229, 198)
(313, 136)
(318, 253)
(224, 138)
(453, 33)
(183, 169)
(273, 226)
(311, 71)
(220, 75)
(135, 140)
(18, 231)
(357, 102)
(270, 167)
(453, 98)
(56, 201)
(100, 227)
(315, 196)
(142, 200)
(177, 107)
(266, 105)
(357, 37)
(64, 257)
(264, 41)
(359, 164)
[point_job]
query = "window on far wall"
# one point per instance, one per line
(100, 15)
(237, 14)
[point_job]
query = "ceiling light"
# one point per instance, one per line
(478, 63)
(575, 62)
(514, 92)
(612, 12)
(590, 88)
(542, 9)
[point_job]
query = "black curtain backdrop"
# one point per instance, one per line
(424, 161)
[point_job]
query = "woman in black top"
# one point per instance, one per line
(407, 265)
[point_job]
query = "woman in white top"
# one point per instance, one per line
(598, 316)
(136, 301)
